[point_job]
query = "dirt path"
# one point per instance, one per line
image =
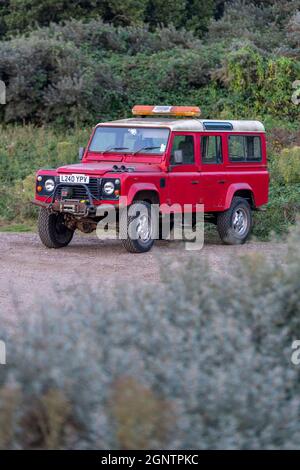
(28, 269)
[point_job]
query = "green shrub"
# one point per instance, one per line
(262, 84)
(24, 15)
(49, 80)
(288, 165)
(262, 23)
(82, 72)
(101, 39)
(202, 358)
(280, 213)
(178, 76)
(66, 151)
(283, 207)
(19, 16)
(23, 151)
(280, 138)
(72, 74)
(291, 45)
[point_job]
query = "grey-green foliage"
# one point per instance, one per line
(48, 79)
(193, 15)
(18, 16)
(215, 347)
(291, 45)
(262, 23)
(62, 74)
(102, 38)
(85, 71)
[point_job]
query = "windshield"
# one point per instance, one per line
(134, 140)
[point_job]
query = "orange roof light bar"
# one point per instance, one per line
(177, 111)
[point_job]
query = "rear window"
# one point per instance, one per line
(244, 148)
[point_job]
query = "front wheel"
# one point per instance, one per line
(234, 225)
(52, 230)
(139, 227)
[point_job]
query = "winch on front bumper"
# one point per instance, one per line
(83, 207)
(74, 207)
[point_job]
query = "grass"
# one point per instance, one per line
(17, 228)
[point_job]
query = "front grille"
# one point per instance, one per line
(79, 192)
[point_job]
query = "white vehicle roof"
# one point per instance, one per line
(191, 125)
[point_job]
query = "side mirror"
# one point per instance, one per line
(81, 153)
(178, 156)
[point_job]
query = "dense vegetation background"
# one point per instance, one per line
(68, 65)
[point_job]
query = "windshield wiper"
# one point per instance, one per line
(114, 148)
(145, 148)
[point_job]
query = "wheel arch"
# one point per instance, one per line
(142, 192)
(240, 190)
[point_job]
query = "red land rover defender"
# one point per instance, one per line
(162, 156)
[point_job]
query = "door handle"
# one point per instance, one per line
(222, 181)
(195, 182)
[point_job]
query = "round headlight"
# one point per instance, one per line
(49, 185)
(109, 188)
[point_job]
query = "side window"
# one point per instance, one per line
(183, 150)
(244, 148)
(237, 148)
(253, 149)
(211, 149)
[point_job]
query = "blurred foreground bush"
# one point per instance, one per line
(201, 361)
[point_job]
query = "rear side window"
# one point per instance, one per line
(244, 148)
(211, 149)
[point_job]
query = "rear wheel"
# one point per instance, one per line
(234, 225)
(138, 227)
(52, 230)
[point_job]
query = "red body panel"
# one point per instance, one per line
(213, 185)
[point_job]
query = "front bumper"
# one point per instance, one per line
(84, 208)
(68, 207)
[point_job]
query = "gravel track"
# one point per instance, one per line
(29, 270)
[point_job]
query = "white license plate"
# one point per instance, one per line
(74, 179)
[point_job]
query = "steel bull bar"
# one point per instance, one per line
(69, 206)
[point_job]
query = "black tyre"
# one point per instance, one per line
(235, 224)
(139, 228)
(52, 230)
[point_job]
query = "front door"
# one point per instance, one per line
(184, 176)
